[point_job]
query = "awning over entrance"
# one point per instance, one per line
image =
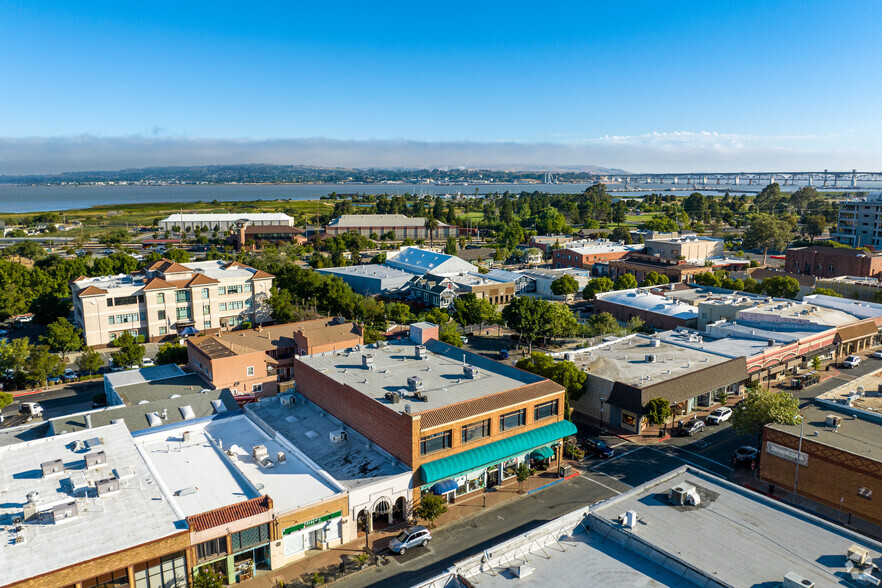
(493, 453)
(444, 487)
(543, 453)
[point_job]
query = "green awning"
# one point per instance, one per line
(493, 453)
(543, 453)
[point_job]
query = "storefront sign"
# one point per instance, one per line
(314, 521)
(790, 455)
(628, 419)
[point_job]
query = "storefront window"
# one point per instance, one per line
(212, 549)
(117, 579)
(509, 469)
(167, 572)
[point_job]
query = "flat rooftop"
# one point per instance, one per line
(561, 552)
(783, 313)
(858, 308)
(735, 329)
(218, 270)
(441, 374)
(354, 463)
(99, 527)
(649, 302)
(228, 473)
(161, 389)
(735, 535)
(625, 361)
(228, 216)
(726, 346)
(589, 247)
(368, 271)
(855, 435)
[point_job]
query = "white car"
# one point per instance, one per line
(147, 362)
(874, 355)
(69, 374)
(852, 361)
(719, 415)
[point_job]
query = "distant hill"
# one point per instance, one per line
(298, 174)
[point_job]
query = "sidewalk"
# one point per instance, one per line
(324, 562)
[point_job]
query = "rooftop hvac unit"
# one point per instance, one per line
(833, 420)
(95, 459)
(367, 361)
(770, 343)
(794, 580)
(628, 519)
(287, 400)
(393, 397)
(470, 371)
(261, 456)
(407, 408)
(52, 467)
(64, 512)
(570, 356)
(421, 352)
(650, 358)
(858, 555)
(414, 383)
(185, 436)
(338, 436)
(684, 495)
(107, 486)
(655, 342)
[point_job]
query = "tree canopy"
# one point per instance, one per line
(597, 286)
(767, 233)
(762, 407)
(566, 284)
(63, 337)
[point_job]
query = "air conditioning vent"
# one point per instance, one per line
(414, 383)
(684, 495)
(794, 580)
(338, 436)
(287, 400)
(367, 361)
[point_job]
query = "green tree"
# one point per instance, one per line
(523, 474)
(619, 212)
(43, 364)
(449, 334)
(6, 399)
(14, 354)
(769, 199)
(622, 234)
(815, 225)
(603, 324)
(550, 222)
(471, 310)
(781, 287)
(827, 292)
(816, 363)
(661, 224)
(431, 507)
(655, 279)
(657, 411)
(556, 320)
(116, 237)
(450, 248)
(63, 337)
(523, 315)
(709, 279)
(281, 305)
(564, 285)
(636, 324)
(129, 352)
(208, 578)
(762, 407)
(171, 352)
(431, 225)
(626, 282)
(89, 361)
(399, 312)
(767, 232)
(597, 286)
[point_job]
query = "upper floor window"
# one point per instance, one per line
(250, 370)
(182, 296)
(160, 298)
(476, 431)
(436, 442)
(545, 410)
(512, 420)
(205, 292)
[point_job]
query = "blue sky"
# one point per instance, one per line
(637, 85)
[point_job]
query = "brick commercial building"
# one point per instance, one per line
(404, 227)
(460, 421)
(831, 262)
(840, 462)
(640, 265)
(246, 234)
(260, 357)
(83, 509)
(653, 309)
(692, 249)
(584, 254)
(206, 296)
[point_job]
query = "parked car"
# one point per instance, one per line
(503, 354)
(852, 361)
(719, 415)
(875, 355)
(147, 362)
(464, 340)
(69, 375)
(598, 447)
(30, 409)
(744, 455)
(410, 537)
(692, 427)
(108, 251)
(53, 380)
(805, 380)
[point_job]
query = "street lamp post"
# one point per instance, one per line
(601, 415)
(798, 454)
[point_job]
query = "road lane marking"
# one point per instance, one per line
(604, 485)
(618, 444)
(725, 467)
(605, 461)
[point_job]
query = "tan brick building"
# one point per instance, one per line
(461, 421)
(167, 298)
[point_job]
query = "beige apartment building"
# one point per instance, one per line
(692, 249)
(168, 297)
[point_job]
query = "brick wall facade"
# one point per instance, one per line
(572, 258)
(653, 319)
(831, 477)
(828, 262)
(74, 575)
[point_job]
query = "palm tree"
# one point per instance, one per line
(431, 225)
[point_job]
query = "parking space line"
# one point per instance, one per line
(615, 458)
(604, 485)
(618, 444)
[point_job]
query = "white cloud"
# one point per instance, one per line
(679, 151)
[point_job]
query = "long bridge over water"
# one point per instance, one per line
(818, 179)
